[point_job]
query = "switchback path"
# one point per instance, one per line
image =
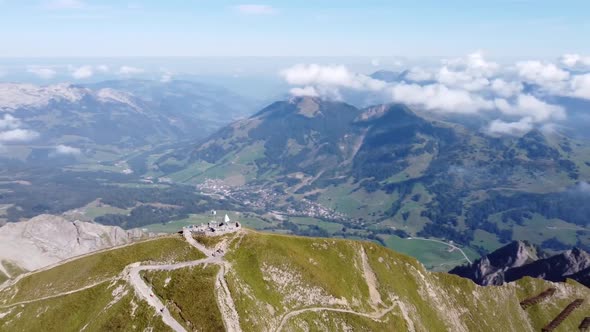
(146, 293)
(57, 295)
(374, 316)
(224, 299)
(11, 282)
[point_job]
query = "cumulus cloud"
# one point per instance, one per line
(530, 106)
(519, 128)
(67, 150)
(467, 85)
(546, 75)
(504, 88)
(252, 9)
(103, 68)
(18, 135)
(9, 122)
(329, 77)
(308, 91)
(475, 64)
(83, 72)
(580, 86)
(462, 79)
(129, 70)
(11, 131)
(438, 97)
(43, 73)
(575, 60)
(418, 74)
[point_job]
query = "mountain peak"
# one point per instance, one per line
(519, 259)
(307, 106)
(16, 95)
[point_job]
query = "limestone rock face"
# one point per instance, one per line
(517, 260)
(48, 239)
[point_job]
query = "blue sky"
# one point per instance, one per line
(54, 28)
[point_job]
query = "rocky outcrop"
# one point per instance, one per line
(518, 259)
(48, 239)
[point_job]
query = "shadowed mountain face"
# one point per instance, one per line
(391, 168)
(518, 259)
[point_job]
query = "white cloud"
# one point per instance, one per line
(330, 77)
(12, 131)
(128, 70)
(575, 60)
(252, 9)
(103, 68)
(547, 75)
(83, 72)
(473, 64)
(418, 74)
(308, 91)
(375, 62)
(504, 88)
(44, 73)
(438, 97)
(519, 128)
(67, 150)
(530, 106)
(580, 86)
(462, 79)
(9, 122)
(18, 135)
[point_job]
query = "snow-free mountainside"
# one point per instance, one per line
(250, 281)
(46, 240)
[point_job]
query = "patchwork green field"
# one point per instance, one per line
(434, 255)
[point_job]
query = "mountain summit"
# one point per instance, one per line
(519, 259)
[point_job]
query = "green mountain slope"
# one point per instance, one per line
(272, 283)
(386, 169)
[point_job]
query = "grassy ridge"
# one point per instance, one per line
(189, 294)
(272, 275)
(338, 321)
(94, 268)
(428, 301)
(328, 268)
(89, 308)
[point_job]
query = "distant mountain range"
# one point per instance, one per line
(108, 119)
(388, 167)
(519, 259)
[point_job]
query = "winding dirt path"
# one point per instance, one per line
(57, 295)
(374, 295)
(132, 274)
(225, 302)
(146, 293)
(374, 316)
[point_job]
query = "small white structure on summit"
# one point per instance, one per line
(213, 227)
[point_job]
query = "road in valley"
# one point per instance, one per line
(445, 243)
